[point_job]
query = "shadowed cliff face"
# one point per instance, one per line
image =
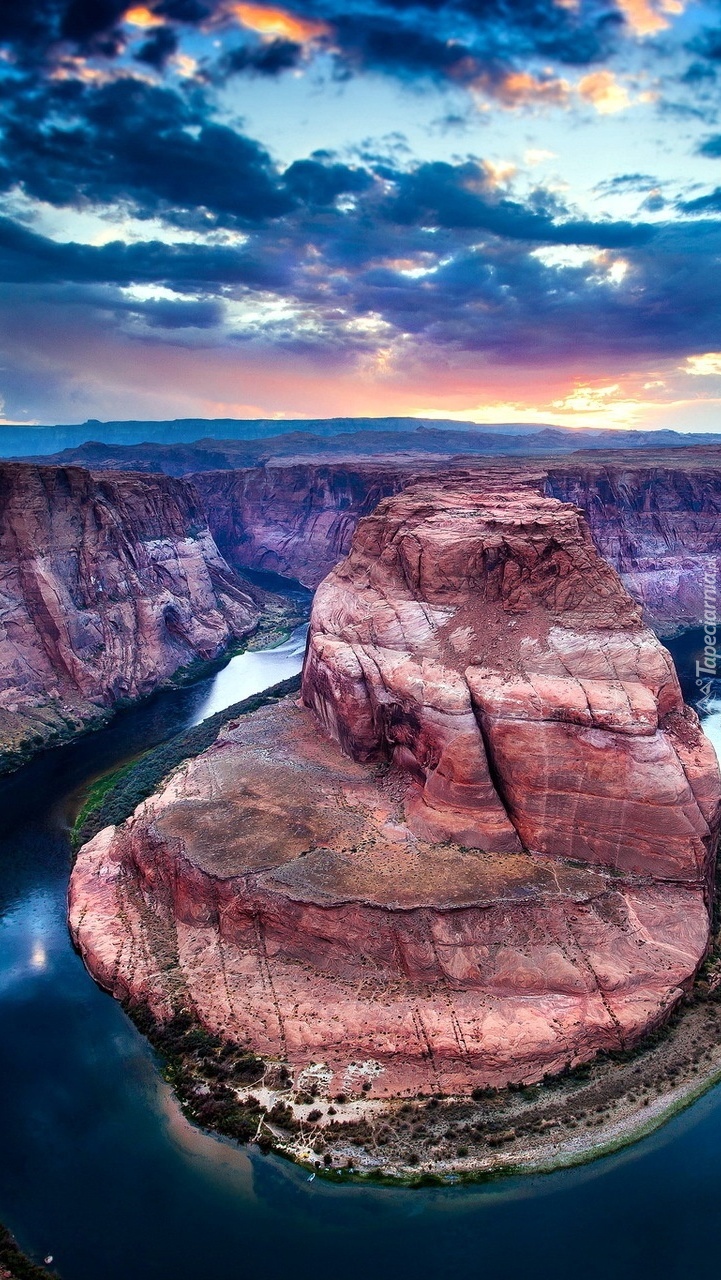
(655, 518)
(482, 848)
(110, 583)
(659, 526)
(296, 520)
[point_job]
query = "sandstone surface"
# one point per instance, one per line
(481, 850)
(655, 517)
(108, 584)
(659, 525)
(295, 520)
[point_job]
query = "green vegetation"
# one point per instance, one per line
(15, 1264)
(205, 1072)
(114, 797)
(98, 791)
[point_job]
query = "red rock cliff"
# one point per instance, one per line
(110, 583)
(475, 636)
(655, 517)
(659, 525)
(505, 869)
(294, 520)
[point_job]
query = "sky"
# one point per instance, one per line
(487, 210)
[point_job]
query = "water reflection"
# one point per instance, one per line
(99, 1167)
(249, 672)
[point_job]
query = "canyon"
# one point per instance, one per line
(110, 585)
(479, 848)
(655, 517)
(653, 514)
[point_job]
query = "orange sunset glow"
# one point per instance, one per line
(270, 21)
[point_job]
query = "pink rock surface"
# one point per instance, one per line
(655, 516)
(475, 636)
(283, 898)
(657, 519)
(294, 520)
(110, 583)
(480, 851)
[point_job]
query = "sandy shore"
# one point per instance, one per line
(566, 1120)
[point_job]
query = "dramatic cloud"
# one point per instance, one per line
(465, 42)
(147, 211)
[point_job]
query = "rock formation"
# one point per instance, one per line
(655, 516)
(110, 583)
(480, 850)
(659, 525)
(295, 520)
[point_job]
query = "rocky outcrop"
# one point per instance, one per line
(659, 525)
(479, 851)
(109, 584)
(475, 636)
(654, 517)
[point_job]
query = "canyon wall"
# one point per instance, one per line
(658, 525)
(109, 584)
(295, 520)
(656, 519)
(481, 849)
(475, 637)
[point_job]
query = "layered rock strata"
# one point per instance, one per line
(655, 517)
(479, 851)
(295, 520)
(110, 583)
(659, 525)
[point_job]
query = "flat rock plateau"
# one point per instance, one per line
(479, 849)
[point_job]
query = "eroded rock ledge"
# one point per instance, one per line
(481, 850)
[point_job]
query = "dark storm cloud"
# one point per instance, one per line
(159, 151)
(320, 184)
(442, 39)
(502, 300)
(161, 45)
(266, 58)
(33, 29)
(710, 203)
(431, 250)
(441, 194)
(138, 143)
(405, 41)
(623, 182)
(166, 314)
(708, 44)
(457, 286)
(26, 257)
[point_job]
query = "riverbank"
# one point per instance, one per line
(59, 724)
(565, 1120)
(15, 1265)
(115, 796)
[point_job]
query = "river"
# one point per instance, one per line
(99, 1168)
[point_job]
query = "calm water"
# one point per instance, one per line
(99, 1168)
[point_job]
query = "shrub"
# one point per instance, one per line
(116, 796)
(16, 1263)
